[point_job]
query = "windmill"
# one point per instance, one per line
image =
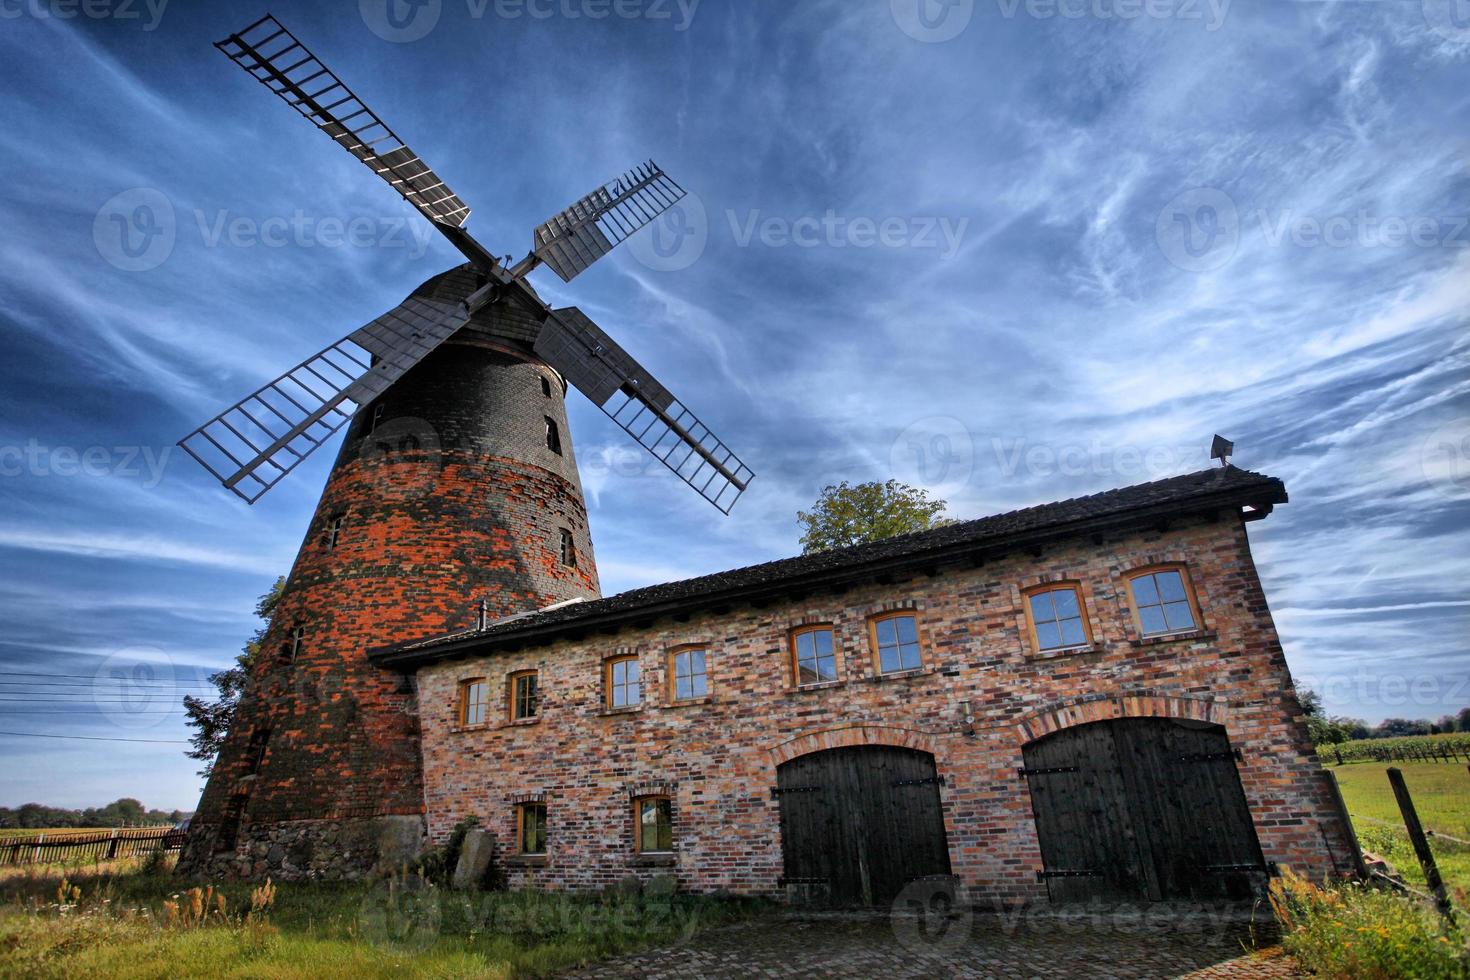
(254, 444)
(475, 358)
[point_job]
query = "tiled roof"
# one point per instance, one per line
(1129, 506)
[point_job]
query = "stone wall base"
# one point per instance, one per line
(305, 849)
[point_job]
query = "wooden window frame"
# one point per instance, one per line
(291, 649)
(1075, 586)
(795, 663)
(1189, 593)
(566, 547)
(522, 809)
(877, 618)
(671, 669)
(553, 435)
(463, 710)
(332, 533)
(607, 682)
(638, 802)
(512, 696)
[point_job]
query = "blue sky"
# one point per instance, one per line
(1011, 250)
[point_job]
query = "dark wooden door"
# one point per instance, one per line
(858, 824)
(1142, 808)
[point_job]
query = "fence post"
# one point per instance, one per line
(112, 845)
(1421, 844)
(36, 854)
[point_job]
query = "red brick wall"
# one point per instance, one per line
(449, 495)
(719, 758)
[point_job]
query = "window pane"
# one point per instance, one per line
(807, 673)
(1041, 608)
(665, 826)
(1152, 618)
(805, 645)
(1171, 586)
(1144, 592)
(1066, 600)
(889, 659)
(827, 667)
(1178, 615)
(1072, 634)
(698, 685)
(823, 639)
(887, 632)
(1048, 635)
(909, 656)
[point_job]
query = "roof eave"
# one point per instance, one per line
(1262, 496)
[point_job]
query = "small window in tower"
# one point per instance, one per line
(334, 530)
(553, 436)
(545, 386)
(377, 417)
(291, 649)
(568, 549)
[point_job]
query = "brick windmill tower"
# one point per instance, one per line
(454, 497)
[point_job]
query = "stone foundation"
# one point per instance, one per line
(305, 849)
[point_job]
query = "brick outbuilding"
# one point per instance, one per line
(1080, 699)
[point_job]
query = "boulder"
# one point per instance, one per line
(399, 841)
(475, 856)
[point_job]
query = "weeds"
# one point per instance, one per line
(1351, 931)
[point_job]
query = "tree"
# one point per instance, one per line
(212, 719)
(1463, 720)
(846, 515)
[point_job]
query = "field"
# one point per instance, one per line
(1441, 795)
(1408, 748)
(33, 831)
(134, 922)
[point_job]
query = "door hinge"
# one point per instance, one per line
(927, 780)
(776, 791)
(1225, 869)
(1043, 875)
(1045, 772)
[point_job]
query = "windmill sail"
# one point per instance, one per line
(278, 60)
(644, 408)
(572, 240)
(251, 446)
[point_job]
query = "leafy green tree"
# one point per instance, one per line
(1462, 720)
(212, 719)
(846, 515)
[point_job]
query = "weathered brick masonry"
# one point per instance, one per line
(717, 758)
(444, 494)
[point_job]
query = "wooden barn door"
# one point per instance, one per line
(1142, 808)
(858, 824)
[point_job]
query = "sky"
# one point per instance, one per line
(1010, 251)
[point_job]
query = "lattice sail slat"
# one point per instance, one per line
(630, 396)
(572, 240)
(276, 58)
(251, 446)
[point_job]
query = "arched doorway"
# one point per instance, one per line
(1142, 809)
(860, 823)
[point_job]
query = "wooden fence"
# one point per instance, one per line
(98, 845)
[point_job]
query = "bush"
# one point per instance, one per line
(1351, 931)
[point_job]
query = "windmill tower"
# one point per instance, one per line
(454, 497)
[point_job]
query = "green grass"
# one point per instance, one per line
(33, 831)
(1441, 795)
(121, 927)
(1454, 744)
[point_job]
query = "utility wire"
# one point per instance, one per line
(99, 738)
